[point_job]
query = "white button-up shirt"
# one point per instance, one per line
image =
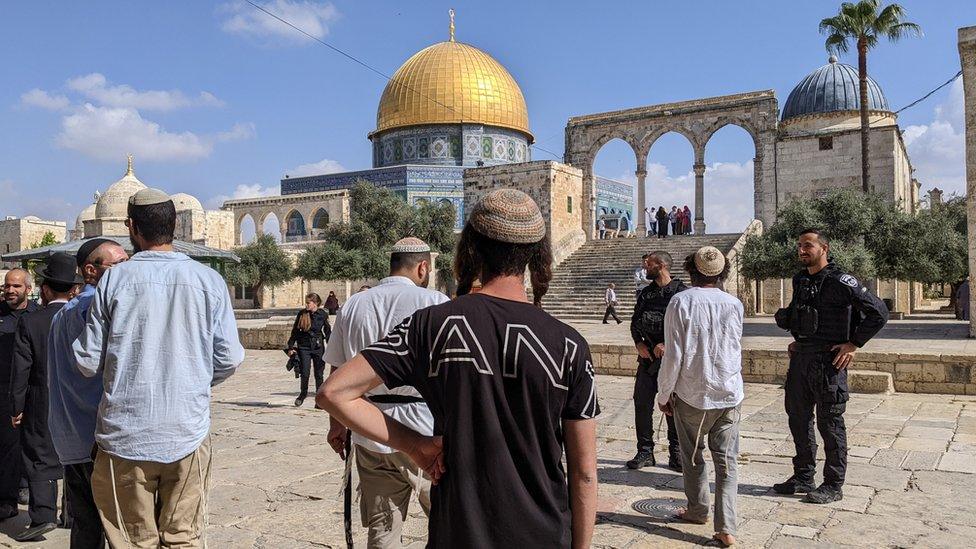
(610, 297)
(640, 279)
(161, 331)
(368, 317)
(702, 360)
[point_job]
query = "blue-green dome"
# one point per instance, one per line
(832, 87)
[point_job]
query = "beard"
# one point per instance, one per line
(424, 282)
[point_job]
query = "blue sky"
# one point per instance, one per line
(218, 100)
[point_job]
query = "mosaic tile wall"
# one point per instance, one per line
(450, 145)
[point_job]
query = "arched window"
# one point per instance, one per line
(296, 227)
(320, 221)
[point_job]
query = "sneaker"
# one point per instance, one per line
(23, 496)
(793, 486)
(299, 401)
(823, 494)
(642, 459)
(35, 531)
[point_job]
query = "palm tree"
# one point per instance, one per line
(863, 24)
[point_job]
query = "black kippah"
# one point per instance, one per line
(88, 247)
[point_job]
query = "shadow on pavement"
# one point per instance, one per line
(652, 525)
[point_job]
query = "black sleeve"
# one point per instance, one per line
(398, 357)
(582, 402)
(20, 367)
(874, 310)
(294, 332)
(635, 319)
(326, 327)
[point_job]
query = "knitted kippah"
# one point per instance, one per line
(148, 197)
(509, 215)
(408, 245)
(709, 261)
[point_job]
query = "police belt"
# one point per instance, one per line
(814, 346)
(394, 399)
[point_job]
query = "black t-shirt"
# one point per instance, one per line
(499, 376)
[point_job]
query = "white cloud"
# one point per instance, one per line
(310, 16)
(321, 167)
(107, 132)
(42, 99)
(96, 87)
(243, 191)
(728, 193)
(239, 132)
(937, 150)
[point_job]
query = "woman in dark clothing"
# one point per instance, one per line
(332, 304)
(662, 222)
(308, 338)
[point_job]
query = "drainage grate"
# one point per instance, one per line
(657, 507)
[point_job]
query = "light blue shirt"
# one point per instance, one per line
(162, 332)
(73, 397)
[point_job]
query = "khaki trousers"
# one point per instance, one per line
(385, 484)
(146, 504)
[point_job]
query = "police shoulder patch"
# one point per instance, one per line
(849, 280)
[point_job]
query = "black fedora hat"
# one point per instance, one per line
(61, 268)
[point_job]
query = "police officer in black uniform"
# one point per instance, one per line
(16, 303)
(830, 317)
(647, 330)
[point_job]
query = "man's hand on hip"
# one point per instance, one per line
(845, 355)
(337, 437)
(659, 350)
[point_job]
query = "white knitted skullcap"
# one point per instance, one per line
(410, 244)
(709, 261)
(509, 215)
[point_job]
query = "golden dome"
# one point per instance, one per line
(449, 83)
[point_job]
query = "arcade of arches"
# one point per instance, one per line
(301, 217)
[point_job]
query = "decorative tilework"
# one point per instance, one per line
(500, 152)
(438, 148)
(409, 148)
(397, 151)
(486, 146)
(423, 147)
(471, 146)
(387, 153)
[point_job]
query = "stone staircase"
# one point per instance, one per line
(578, 283)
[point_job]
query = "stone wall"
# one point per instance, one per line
(557, 188)
(18, 234)
(940, 374)
(214, 228)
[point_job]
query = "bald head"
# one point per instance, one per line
(17, 285)
(100, 260)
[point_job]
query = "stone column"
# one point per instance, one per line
(589, 203)
(967, 58)
(641, 202)
(699, 198)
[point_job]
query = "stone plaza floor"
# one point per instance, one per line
(910, 483)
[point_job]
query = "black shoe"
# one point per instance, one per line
(8, 511)
(23, 496)
(299, 401)
(793, 486)
(674, 463)
(619, 321)
(823, 494)
(35, 531)
(642, 459)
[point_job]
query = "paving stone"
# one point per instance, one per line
(798, 531)
(921, 460)
(889, 457)
(958, 461)
(920, 444)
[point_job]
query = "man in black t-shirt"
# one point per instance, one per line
(509, 387)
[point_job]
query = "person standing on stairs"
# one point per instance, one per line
(647, 330)
(662, 223)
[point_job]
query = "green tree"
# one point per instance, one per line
(47, 240)
(863, 24)
(263, 263)
(377, 219)
(869, 236)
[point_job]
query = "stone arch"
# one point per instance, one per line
(273, 228)
(649, 138)
(320, 222)
(749, 128)
(295, 227)
(246, 229)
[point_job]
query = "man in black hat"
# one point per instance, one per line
(17, 286)
(29, 396)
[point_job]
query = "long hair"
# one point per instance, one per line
(478, 257)
(305, 320)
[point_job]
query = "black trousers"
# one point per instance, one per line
(43, 504)
(813, 384)
(86, 526)
(11, 457)
(309, 360)
(645, 392)
(611, 311)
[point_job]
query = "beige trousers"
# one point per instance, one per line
(385, 484)
(146, 504)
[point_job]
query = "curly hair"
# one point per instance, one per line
(481, 258)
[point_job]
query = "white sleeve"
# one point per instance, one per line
(667, 377)
(88, 348)
(334, 354)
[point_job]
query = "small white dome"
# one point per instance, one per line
(86, 215)
(31, 218)
(184, 201)
(115, 202)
